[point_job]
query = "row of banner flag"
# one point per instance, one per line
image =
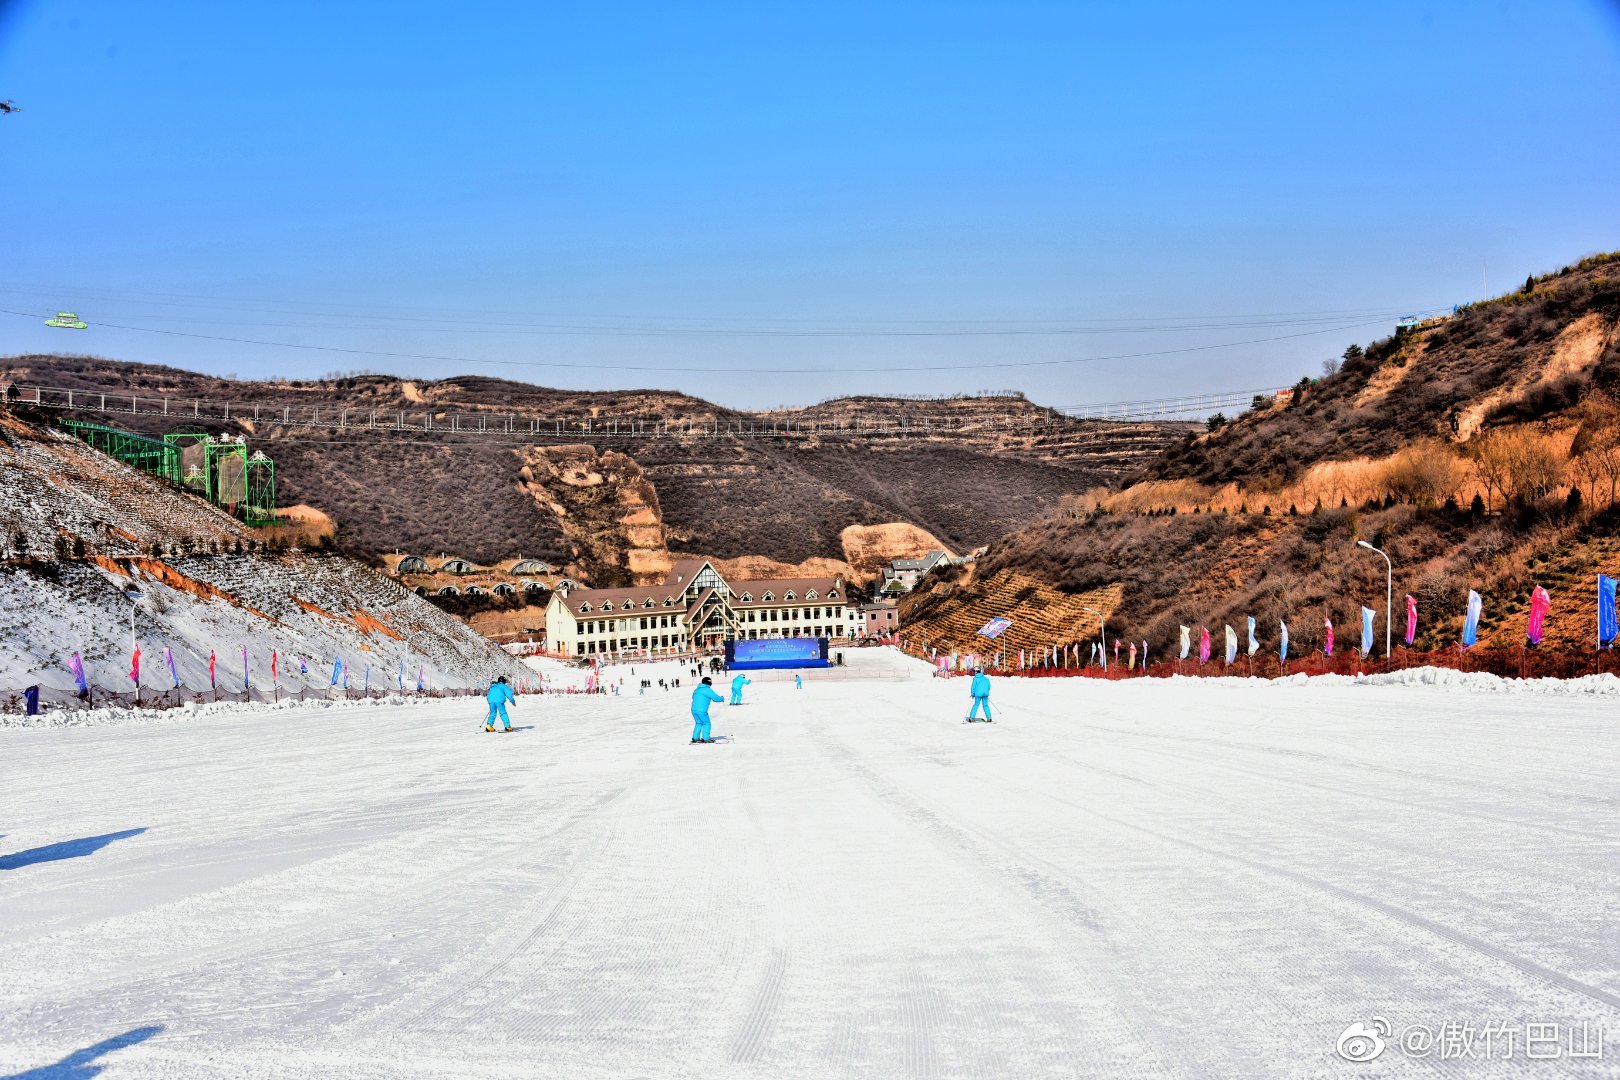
(1070, 655)
(340, 675)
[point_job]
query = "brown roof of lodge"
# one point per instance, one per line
(637, 597)
(673, 590)
(779, 586)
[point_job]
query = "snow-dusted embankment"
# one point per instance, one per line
(309, 611)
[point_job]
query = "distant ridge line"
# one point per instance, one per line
(465, 420)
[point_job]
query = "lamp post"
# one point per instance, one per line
(1102, 628)
(1389, 593)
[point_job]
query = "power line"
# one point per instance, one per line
(819, 369)
(484, 318)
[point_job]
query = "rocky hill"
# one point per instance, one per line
(965, 470)
(79, 530)
(1481, 450)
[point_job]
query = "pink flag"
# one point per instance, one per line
(1411, 618)
(1203, 644)
(273, 674)
(1540, 603)
(211, 680)
(1327, 649)
(135, 666)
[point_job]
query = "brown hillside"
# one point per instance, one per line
(1261, 516)
(965, 481)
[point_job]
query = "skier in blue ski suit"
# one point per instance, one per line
(499, 694)
(979, 688)
(737, 684)
(702, 698)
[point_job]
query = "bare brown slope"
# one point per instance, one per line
(1261, 517)
(966, 483)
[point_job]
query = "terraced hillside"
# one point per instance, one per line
(1481, 451)
(957, 469)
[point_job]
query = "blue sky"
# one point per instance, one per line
(777, 192)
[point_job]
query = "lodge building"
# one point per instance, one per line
(695, 608)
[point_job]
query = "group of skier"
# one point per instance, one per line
(500, 696)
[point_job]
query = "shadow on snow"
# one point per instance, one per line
(81, 1064)
(67, 849)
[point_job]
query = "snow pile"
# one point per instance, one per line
(61, 718)
(1478, 682)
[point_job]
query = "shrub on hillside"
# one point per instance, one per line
(1425, 473)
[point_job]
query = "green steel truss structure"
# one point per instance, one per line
(218, 469)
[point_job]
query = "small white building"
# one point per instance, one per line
(902, 575)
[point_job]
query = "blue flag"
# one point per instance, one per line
(402, 674)
(1254, 642)
(1282, 649)
(337, 670)
(1367, 617)
(1471, 624)
(1608, 625)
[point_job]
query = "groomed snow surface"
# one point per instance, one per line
(1175, 878)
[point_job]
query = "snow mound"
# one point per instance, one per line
(63, 718)
(1478, 682)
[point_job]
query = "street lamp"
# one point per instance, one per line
(1389, 594)
(1102, 628)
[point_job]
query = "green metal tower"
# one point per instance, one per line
(218, 469)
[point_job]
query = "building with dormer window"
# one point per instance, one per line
(694, 608)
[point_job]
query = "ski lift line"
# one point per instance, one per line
(483, 317)
(820, 370)
(560, 330)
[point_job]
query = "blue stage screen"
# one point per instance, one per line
(778, 653)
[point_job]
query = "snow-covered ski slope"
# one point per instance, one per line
(1165, 878)
(55, 490)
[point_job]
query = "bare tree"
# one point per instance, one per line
(1424, 473)
(1535, 468)
(1596, 448)
(1492, 461)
